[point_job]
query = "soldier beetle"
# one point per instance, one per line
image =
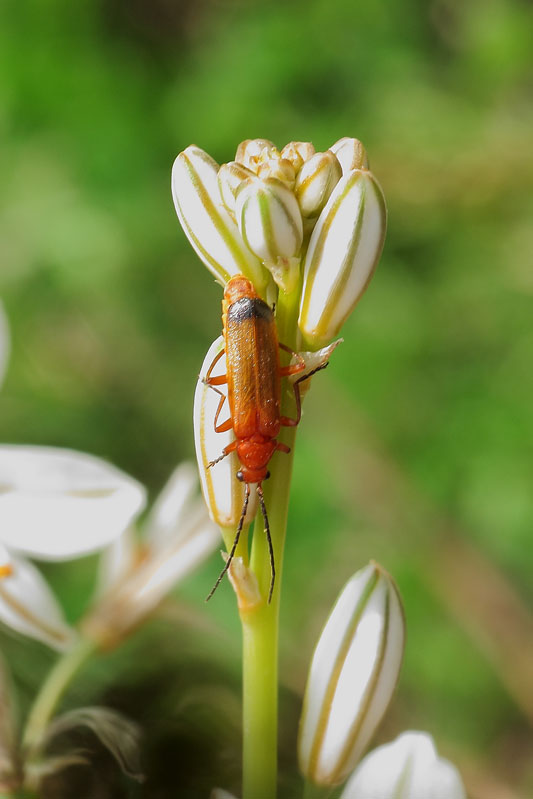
(253, 377)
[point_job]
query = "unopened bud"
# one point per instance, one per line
(230, 177)
(252, 152)
(343, 252)
(407, 768)
(316, 180)
(353, 674)
(279, 168)
(206, 222)
(350, 153)
(298, 152)
(269, 219)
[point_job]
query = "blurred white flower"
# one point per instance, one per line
(135, 578)
(353, 674)
(407, 768)
(4, 343)
(54, 505)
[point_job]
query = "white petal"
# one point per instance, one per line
(206, 222)
(4, 343)
(269, 219)
(57, 504)
(28, 606)
(116, 561)
(223, 493)
(407, 768)
(343, 252)
(167, 519)
(350, 154)
(353, 674)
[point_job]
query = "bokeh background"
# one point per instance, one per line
(416, 447)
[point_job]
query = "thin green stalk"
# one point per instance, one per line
(261, 624)
(51, 692)
(312, 791)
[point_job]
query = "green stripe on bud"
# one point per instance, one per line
(351, 154)
(207, 224)
(353, 674)
(230, 177)
(316, 180)
(343, 252)
(269, 219)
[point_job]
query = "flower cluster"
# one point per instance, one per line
(292, 220)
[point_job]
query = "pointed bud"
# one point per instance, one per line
(351, 154)
(230, 177)
(298, 152)
(206, 222)
(407, 768)
(223, 493)
(343, 252)
(316, 180)
(252, 152)
(352, 677)
(270, 222)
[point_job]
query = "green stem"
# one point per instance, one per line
(261, 624)
(51, 692)
(312, 791)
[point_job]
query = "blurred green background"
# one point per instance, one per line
(416, 447)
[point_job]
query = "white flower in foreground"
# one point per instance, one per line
(4, 343)
(207, 223)
(55, 504)
(353, 674)
(407, 768)
(178, 537)
(343, 252)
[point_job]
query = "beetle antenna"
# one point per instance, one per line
(269, 539)
(235, 542)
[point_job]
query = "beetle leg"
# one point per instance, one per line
(281, 447)
(286, 371)
(228, 424)
(235, 542)
(286, 421)
(226, 451)
(220, 379)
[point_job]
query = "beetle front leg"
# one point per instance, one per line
(225, 452)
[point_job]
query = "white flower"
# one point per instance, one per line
(352, 677)
(4, 343)
(343, 252)
(407, 768)
(55, 504)
(316, 180)
(178, 537)
(207, 223)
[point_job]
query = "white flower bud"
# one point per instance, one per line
(407, 768)
(230, 177)
(316, 180)
(351, 154)
(298, 152)
(206, 222)
(269, 219)
(353, 674)
(343, 252)
(223, 493)
(279, 168)
(252, 152)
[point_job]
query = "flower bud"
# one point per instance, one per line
(269, 219)
(206, 222)
(407, 768)
(223, 493)
(298, 152)
(350, 154)
(230, 177)
(252, 152)
(343, 252)
(316, 180)
(279, 168)
(353, 673)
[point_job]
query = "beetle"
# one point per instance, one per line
(253, 377)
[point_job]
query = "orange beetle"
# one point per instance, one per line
(253, 376)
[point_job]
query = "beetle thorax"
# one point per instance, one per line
(254, 453)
